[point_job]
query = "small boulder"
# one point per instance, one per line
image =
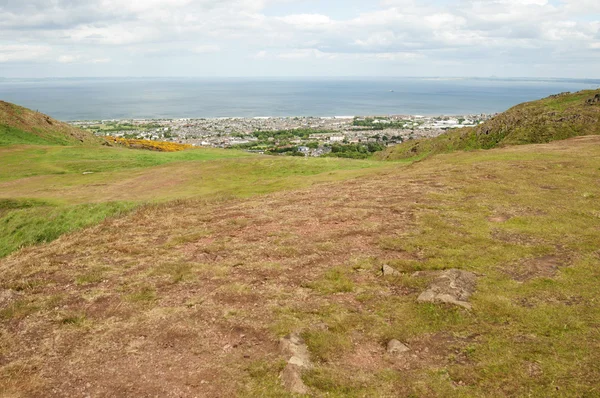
(595, 100)
(389, 271)
(452, 286)
(396, 347)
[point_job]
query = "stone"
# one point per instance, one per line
(595, 100)
(291, 378)
(294, 348)
(396, 347)
(452, 286)
(389, 271)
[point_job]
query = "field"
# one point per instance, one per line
(48, 190)
(208, 258)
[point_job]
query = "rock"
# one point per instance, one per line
(294, 348)
(396, 347)
(452, 286)
(389, 271)
(595, 100)
(291, 378)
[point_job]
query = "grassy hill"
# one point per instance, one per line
(554, 118)
(20, 125)
(192, 296)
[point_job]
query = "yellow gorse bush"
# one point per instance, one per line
(161, 146)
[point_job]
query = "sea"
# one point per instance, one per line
(71, 99)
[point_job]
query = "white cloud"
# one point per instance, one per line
(22, 52)
(467, 32)
(67, 59)
(206, 49)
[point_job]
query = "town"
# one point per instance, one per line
(343, 136)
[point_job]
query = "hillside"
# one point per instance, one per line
(554, 118)
(192, 297)
(20, 125)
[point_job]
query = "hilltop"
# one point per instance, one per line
(20, 125)
(553, 118)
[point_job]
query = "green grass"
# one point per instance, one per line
(10, 136)
(35, 222)
(29, 161)
(46, 191)
(549, 119)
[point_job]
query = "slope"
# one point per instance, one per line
(554, 118)
(20, 125)
(190, 298)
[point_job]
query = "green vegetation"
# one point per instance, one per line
(286, 135)
(554, 118)
(19, 125)
(48, 190)
(380, 123)
(20, 162)
(29, 222)
(279, 142)
(207, 278)
(355, 151)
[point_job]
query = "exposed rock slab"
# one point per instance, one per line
(452, 286)
(389, 271)
(396, 347)
(294, 348)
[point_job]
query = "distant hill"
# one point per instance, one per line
(553, 118)
(20, 125)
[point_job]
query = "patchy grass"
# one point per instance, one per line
(210, 286)
(48, 191)
(335, 280)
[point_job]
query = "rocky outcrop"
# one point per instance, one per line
(294, 348)
(452, 286)
(594, 101)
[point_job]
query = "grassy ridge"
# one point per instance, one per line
(20, 125)
(554, 118)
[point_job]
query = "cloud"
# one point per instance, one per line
(67, 59)
(462, 32)
(20, 52)
(206, 49)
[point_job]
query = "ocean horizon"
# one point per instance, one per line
(71, 99)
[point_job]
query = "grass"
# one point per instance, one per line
(46, 191)
(30, 161)
(549, 119)
(26, 223)
(206, 286)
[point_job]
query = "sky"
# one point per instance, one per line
(247, 38)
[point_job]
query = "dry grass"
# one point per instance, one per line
(190, 298)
